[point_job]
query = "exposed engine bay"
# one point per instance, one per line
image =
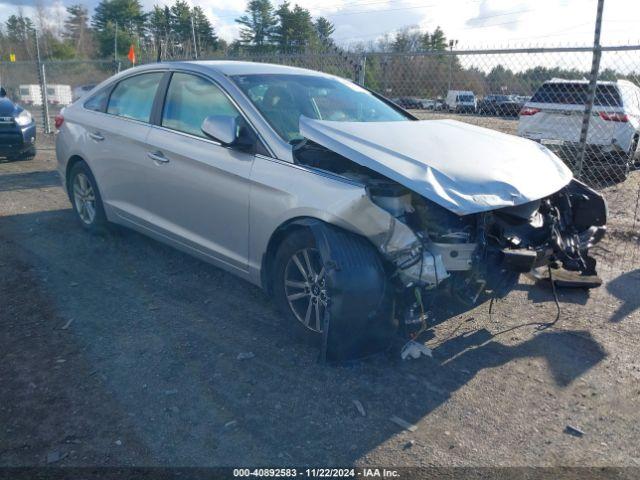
(472, 256)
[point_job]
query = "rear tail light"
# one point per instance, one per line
(614, 117)
(529, 111)
(59, 120)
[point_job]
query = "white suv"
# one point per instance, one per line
(553, 117)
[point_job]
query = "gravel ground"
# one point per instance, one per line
(118, 350)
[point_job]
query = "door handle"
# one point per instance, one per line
(96, 136)
(157, 157)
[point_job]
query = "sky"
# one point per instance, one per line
(474, 23)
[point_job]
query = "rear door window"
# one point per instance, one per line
(190, 99)
(133, 97)
(569, 93)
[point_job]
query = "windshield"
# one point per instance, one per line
(281, 99)
(465, 98)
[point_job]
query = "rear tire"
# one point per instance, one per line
(85, 199)
(634, 155)
(621, 171)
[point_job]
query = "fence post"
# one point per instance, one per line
(362, 65)
(593, 79)
(42, 78)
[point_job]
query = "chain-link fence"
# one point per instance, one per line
(549, 95)
(586, 112)
(45, 88)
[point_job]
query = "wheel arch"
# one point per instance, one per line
(277, 237)
(284, 230)
(73, 160)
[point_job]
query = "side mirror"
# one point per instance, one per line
(222, 128)
(3, 92)
(230, 131)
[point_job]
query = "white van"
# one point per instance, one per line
(30, 94)
(59, 94)
(461, 101)
(554, 114)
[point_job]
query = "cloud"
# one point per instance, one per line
(52, 13)
(473, 23)
(499, 13)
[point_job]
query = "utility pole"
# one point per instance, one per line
(452, 43)
(593, 83)
(115, 44)
(193, 34)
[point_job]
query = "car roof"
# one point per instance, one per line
(585, 81)
(236, 67)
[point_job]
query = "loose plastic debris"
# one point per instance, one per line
(413, 349)
(403, 423)
(575, 431)
(245, 355)
(360, 408)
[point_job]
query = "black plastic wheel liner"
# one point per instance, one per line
(359, 319)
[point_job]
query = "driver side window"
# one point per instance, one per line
(190, 99)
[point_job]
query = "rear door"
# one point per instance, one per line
(116, 145)
(198, 189)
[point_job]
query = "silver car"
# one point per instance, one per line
(353, 214)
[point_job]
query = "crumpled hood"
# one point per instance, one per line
(464, 168)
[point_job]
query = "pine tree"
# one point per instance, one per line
(205, 33)
(324, 30)
(258, 26)
(77, 32)
(130, 20)
(437, 41)
(295, 30)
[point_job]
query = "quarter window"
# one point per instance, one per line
(190, 99)
(98, 101)
(133, 97)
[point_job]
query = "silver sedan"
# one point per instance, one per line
(353, 214)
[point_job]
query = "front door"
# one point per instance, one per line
(199, 189)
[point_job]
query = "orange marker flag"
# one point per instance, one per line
(132, 55)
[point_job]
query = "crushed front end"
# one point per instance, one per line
(482, 255)
(430, 250)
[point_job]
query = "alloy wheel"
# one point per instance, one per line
(305, 288)
(84, 198)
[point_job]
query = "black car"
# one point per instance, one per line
(500, 105)
(17, 130)
(408, 103)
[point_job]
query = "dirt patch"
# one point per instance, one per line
(118, 350)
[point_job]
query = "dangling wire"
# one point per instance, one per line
(555, 298)
(491, 308)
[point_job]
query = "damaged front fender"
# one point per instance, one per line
(397, 242)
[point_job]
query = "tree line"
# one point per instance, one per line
(179, 31)
(167, 32)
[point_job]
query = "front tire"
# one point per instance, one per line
(346, 288)
(85, 198)
(299, 284)
(29, 154)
